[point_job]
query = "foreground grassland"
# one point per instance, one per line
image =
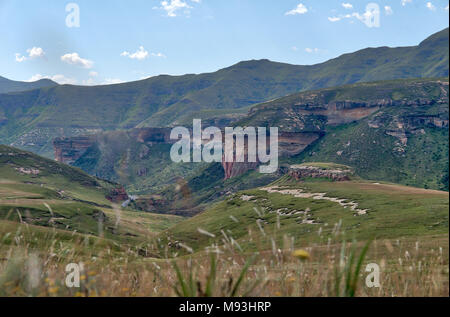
(247, 245)
(409, 267)
(290, 238)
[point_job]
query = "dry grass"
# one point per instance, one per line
(409, 267)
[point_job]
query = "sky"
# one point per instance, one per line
(88, 42)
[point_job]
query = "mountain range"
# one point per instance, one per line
(31, 119)
(7, 85)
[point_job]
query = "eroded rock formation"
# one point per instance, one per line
(117, 195)
(68, 150)
(301, 172)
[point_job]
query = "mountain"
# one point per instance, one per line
(31, 119)
(7, 85)
(394, 131)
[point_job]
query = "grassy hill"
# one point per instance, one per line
(250, 238)
(31, 119)
(44, 193)
(312, 211)
(7, 85)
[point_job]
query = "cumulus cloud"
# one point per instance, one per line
(60, 79)
(405, 2)
(300, 9)
(371, 17)
(20, 58)
(388, 10)
(347, 5)
(34, 52)
(431, 6)
(172, 7)
(75, 59)
(141, 54)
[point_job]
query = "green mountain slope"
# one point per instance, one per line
(7, 85)
(43, 193)
(393, 131)
(298, 210)
(31, 119)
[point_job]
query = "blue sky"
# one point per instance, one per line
(119, 40)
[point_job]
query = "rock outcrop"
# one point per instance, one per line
(68, 150)
(301, 172)
(117, 195)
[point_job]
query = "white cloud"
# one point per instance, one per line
(431, 6)
(347, 5)
(334, 19)
(370, 17)
(388, 10)
(60, 79)
(405, 2)
(446, 8)
(173, 6)
(311, 50)
(34, 52)
(140, 54)
(300, 9)
(75, 59)
(20, 58)
(93, 74)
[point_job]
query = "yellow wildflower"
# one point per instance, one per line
(301, 254)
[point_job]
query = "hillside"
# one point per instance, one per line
(299, 209)
(7, 85)
(43, 193)
(31, 119)
(393, 131)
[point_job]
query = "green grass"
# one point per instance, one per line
(393, 211)
(65, 198)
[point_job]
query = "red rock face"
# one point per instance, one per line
(289, 144)
(117, 195)
(236, 169)
(68, 150)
